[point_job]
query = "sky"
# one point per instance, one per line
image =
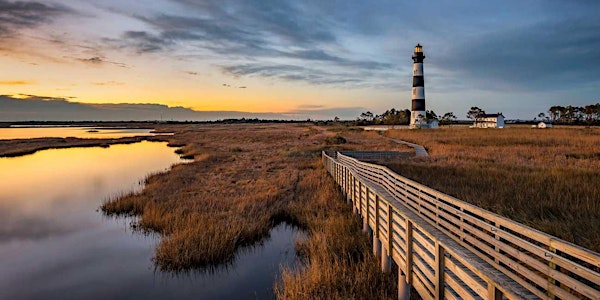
(302, 59)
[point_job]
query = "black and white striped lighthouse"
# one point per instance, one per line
(417, 114)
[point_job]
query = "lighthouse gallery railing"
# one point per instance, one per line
(540, 264)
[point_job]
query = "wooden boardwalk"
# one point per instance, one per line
(448, 249)
(419, 150)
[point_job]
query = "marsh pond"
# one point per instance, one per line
(56, 244)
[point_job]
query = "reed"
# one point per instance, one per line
(225, 199)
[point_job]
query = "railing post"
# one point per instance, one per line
(390, 229)
(356, 197)
(493, 293)
(409, 250)
(496, 247)
(376, 214)
(460, 225)
(348, 186)
(366, 216)
(359, 198)
(344, 183)
(551, 281)
(439, 271)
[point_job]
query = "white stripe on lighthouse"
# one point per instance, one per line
(418, 92)
(418, 69)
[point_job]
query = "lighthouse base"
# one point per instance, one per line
(422, 124)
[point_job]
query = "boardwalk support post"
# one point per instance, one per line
(386, 261)
(376, 246)
(403, 287)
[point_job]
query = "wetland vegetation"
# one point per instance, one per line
(547, 179)
(244, 180)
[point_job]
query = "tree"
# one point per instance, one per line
(475, 112)
(431, 115)
(448, 118)
(542, 116)
(367, 116)
(394, 117)
(556, 113)
(589, 114)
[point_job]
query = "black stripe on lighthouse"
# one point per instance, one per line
(418, 81)
(418, 104)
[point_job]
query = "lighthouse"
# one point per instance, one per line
(417, 113)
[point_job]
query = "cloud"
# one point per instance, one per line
(45, 108)
(16, 15)
(144, 42)
(297, 73)
(16, 82)
(549, 55)
(108, 83)
(267, 32)
(96, 60)
(310, 106)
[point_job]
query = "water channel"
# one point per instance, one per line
(27, 132)
(55, 244)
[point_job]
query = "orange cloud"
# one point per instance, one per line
(16, 82)
(104, 83)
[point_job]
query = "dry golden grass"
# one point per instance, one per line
(547, 179)
(338, 260)
(243, 181)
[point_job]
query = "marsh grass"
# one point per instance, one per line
(225, 200)
(20, 147)
(547, 179)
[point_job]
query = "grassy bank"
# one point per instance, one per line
(547, 179)
(243, 181)
(20, 147)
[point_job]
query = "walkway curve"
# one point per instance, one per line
(419, 150)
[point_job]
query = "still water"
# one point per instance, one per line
(78, 132)
(55, 244)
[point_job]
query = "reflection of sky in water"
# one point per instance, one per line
(63, 132)
(55, 245)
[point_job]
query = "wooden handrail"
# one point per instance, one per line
(544, 265)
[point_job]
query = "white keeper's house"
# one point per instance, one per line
(489, 121)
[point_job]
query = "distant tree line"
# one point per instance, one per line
(589, 114)
(400, 117)
(389, 117)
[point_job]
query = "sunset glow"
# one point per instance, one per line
(305, 59)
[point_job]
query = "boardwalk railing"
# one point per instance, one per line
(447, 248)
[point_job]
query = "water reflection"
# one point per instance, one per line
(54, 244)
(78, 132)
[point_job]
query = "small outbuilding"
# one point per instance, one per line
(489, 121)
(544, 125)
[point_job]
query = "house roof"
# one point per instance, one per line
(491, 115)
